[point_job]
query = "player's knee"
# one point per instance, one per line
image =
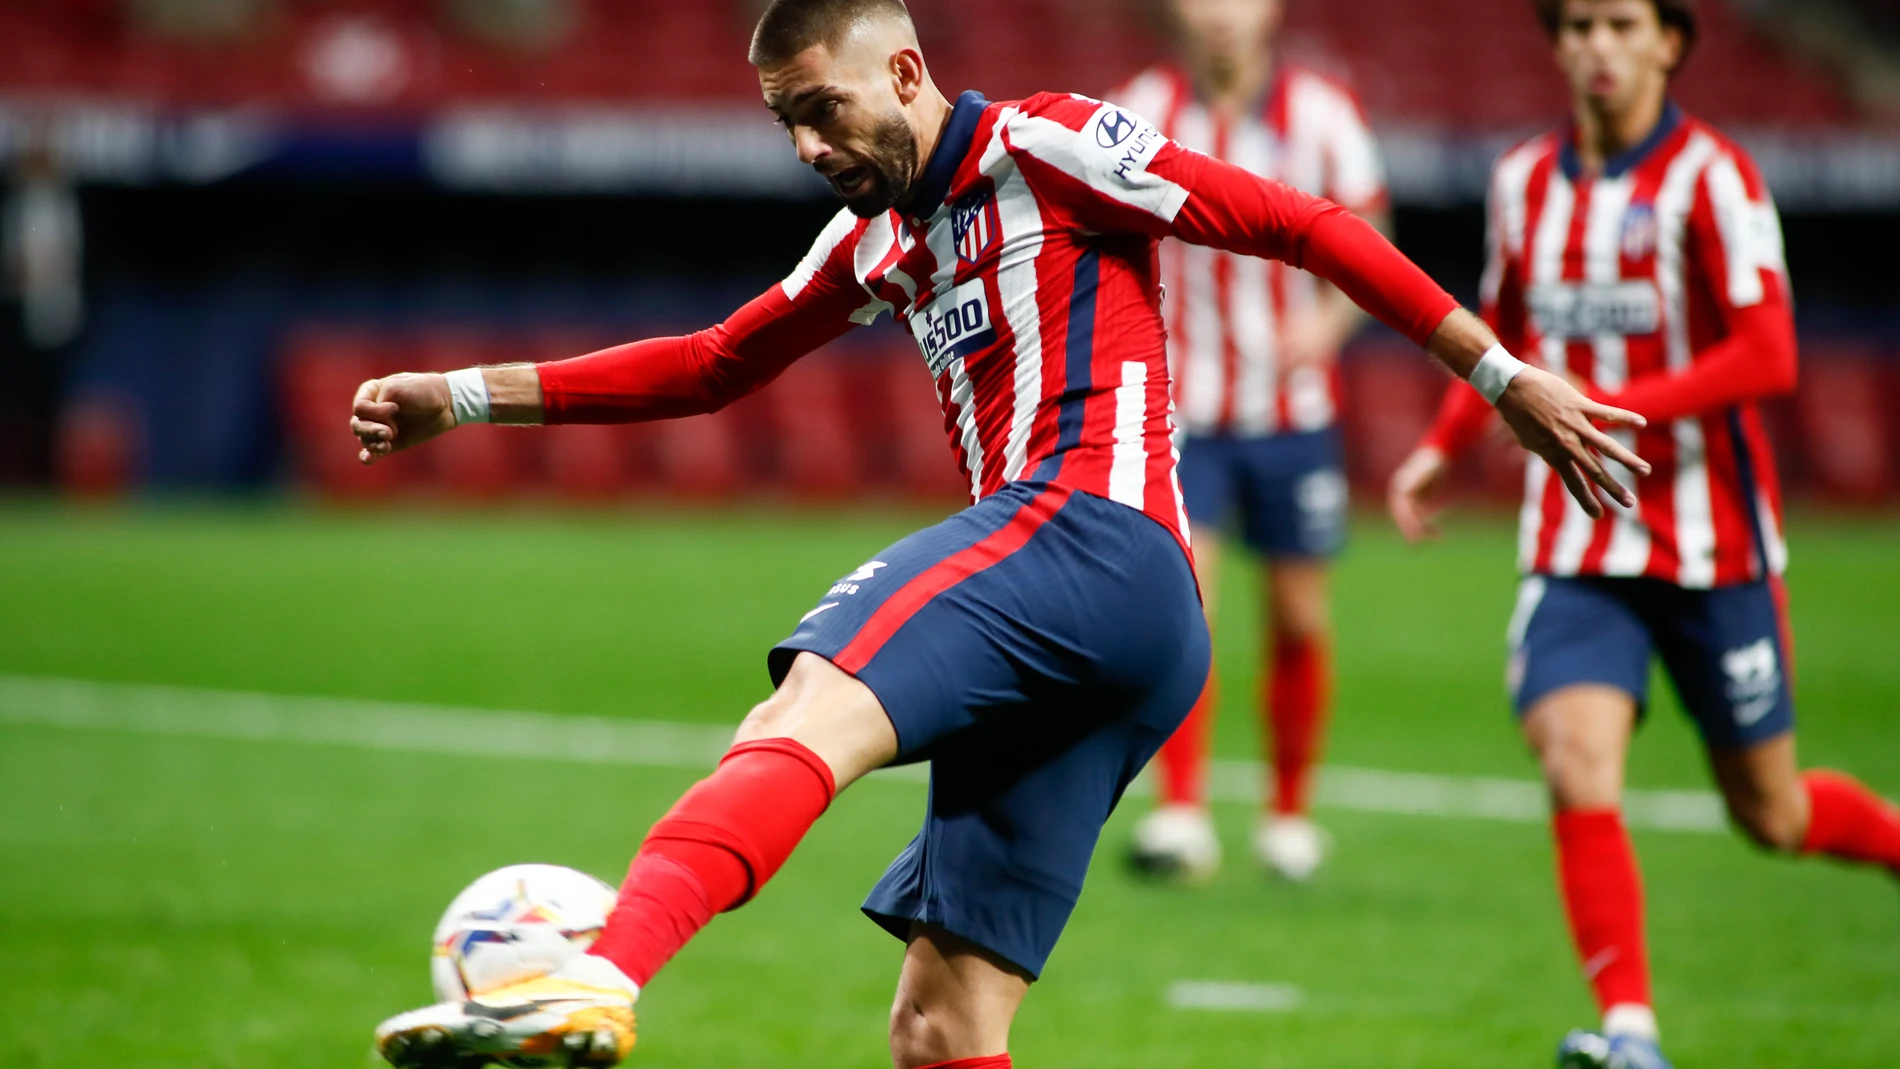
(918, 1037)
(770, 719)
(1580, 776)
(791, 704)
(1771, 823)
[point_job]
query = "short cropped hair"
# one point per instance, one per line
(1676, 14)
(789, 27)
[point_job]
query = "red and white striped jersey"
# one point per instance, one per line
(1225, 312)
(1641, 271)
(1027, 272)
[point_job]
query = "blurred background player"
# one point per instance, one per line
(1637, 251)
(42, 304)
(1253, 347)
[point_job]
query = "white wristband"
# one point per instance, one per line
(468, 395)
(1495, 370)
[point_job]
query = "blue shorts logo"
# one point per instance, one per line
(1113, 129)
(1754, 680)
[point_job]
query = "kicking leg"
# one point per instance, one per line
(1581, 734)
(818, 733)
(955, 1002)
(727, 836)
(1295, 707)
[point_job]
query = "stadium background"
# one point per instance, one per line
(279, 198)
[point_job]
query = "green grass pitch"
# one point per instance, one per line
(169, 901)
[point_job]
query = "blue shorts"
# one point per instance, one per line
(1288, 490)
(1723, 649)
(1036, 648)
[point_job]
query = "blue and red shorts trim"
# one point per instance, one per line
(1037, 649)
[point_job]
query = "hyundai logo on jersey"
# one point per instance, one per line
(1113, 129)
(976, 225)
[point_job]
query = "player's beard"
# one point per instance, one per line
(890, 154)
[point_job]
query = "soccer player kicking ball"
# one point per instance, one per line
(1037, 647)
(1637, 252)
(1252, 344)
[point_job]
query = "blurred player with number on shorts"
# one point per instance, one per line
(1637, 251)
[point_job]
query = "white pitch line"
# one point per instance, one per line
(1226, 996)
(434, 729)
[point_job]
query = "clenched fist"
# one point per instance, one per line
(399, 412)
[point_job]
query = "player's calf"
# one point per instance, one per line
(955, 1002)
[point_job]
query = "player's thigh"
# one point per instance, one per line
(1761, 785)
(1581, 735)
(1034, 594)
(1292, 495)
(1016, 808)
(1578, 675)
(1298, 597)
(954, 1000)
(830, 713)
(1724, 651)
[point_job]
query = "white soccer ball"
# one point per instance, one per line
(515, 924)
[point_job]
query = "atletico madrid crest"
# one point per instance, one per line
(976, 225)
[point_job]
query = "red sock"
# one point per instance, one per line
(1182, 762)
(1603, 895)
(999, 1061)
(713, 850)
(1297, 700)
(1846, 820)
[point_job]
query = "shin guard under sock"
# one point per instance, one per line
(712, 852)
(1603, 898)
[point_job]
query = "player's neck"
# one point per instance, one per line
(1602, 136)
(1233, 88)
(932, 111)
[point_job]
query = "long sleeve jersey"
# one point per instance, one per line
(1660, 284)
(1025, 267)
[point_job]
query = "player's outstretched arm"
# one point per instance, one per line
(1229, 208)
(659, 378)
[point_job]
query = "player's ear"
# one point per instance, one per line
(1672, 48)
(907, 74)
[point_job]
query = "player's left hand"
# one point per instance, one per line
(1557, 422)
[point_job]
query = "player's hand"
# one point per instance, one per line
(1557, 422)
(1411, 493)
(399, 412)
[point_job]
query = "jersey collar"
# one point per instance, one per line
(1616, 166)
(934, 183)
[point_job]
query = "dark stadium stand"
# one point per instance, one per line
(1413, 61)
